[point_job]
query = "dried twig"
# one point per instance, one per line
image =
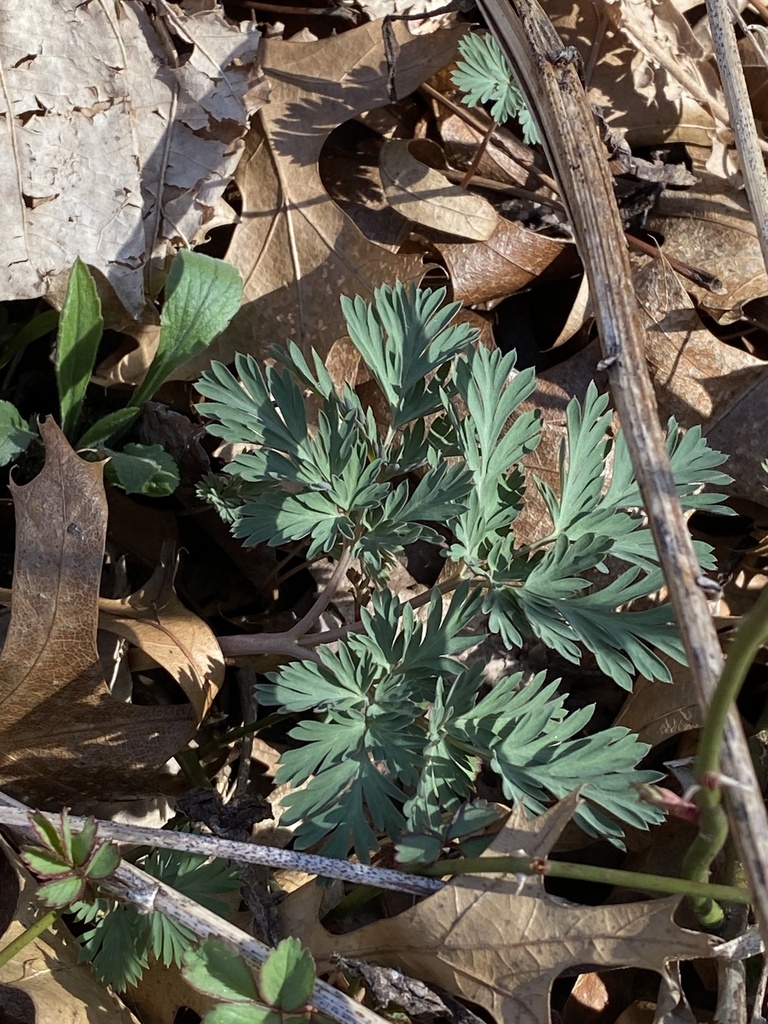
(548, 73)
(132, 884)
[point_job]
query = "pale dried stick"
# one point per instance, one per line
(132, 884)
(548, 73)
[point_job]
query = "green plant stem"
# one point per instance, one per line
(587, 873)
(713, 823)
(288, 645)
(28, 935)
(324, 599)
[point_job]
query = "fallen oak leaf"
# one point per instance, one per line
(414, 186)
(295, 249)
(63, 736)
(501, 940)
(154, 620)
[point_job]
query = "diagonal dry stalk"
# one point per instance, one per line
(131, 884)
(548, 73)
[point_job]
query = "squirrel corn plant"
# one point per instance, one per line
(483, 75)
(393, 727)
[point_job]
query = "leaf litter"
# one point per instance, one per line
(496, 942)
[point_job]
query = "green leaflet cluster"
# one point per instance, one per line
(399, 727)
(121, 940)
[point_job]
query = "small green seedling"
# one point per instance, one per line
(68, 863)
(202, 295)
(393, 727)
(484, 76)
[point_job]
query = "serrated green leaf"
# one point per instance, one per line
(108, 429)
(287, 976)
(202, 294)
(47, 833)
(198, 878)
(15, 436)
(213, 969)
(45, 862)
(62, 891)
(117, 947)
(81, 843)
(104, 862)
(80, 329)
(142, 469)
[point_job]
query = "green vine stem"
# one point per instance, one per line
(589, 873)
(28, 935)
(713, 823)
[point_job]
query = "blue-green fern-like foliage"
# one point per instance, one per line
(396, 727)
(483, 74)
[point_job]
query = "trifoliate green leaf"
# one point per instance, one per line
(287, 976)
(213, 968)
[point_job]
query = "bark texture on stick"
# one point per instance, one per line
(549, 75)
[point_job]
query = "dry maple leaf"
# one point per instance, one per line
(295, 249)
(501, 940)
(63, 736)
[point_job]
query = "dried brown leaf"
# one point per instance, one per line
(500, 941)
(505, 263)
(110, 149)
(296, 250)
(421, 193)
(156, 621)
(63, 736)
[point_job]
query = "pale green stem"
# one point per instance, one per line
(28, 935)
(323, 600)
(713, 823)
(588, 873)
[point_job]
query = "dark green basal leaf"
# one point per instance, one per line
(142, 469)
(80, 330)
(202, 295)
(214, 969)
(15, 435)
(287, 977)
(108, 429)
